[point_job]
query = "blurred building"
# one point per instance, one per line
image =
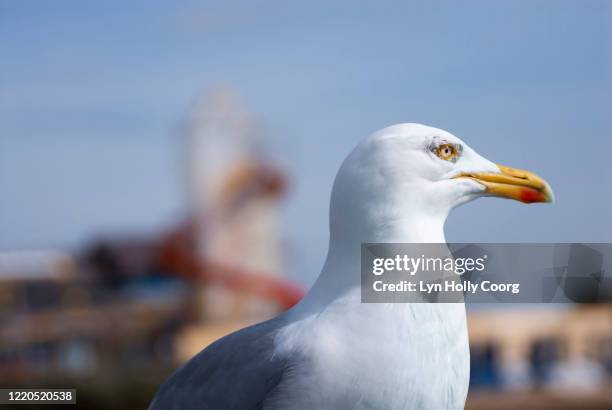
(235, 193)
(541, 358)
(58, 316)
(124, 301)
(234, 188)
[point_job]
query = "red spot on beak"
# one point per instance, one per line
(529, 195)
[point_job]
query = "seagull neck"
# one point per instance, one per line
(341, 273)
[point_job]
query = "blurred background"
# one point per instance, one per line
(165, 171)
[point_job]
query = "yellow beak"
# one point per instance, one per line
(513, 183)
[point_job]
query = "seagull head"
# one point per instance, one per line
(406, 178)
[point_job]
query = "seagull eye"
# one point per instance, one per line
(447, 152)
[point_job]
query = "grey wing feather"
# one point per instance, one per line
(237, 371)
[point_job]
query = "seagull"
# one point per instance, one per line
(331, 351)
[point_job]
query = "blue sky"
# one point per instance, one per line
(92, 98)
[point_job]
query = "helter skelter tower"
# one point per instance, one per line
(234, 197)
